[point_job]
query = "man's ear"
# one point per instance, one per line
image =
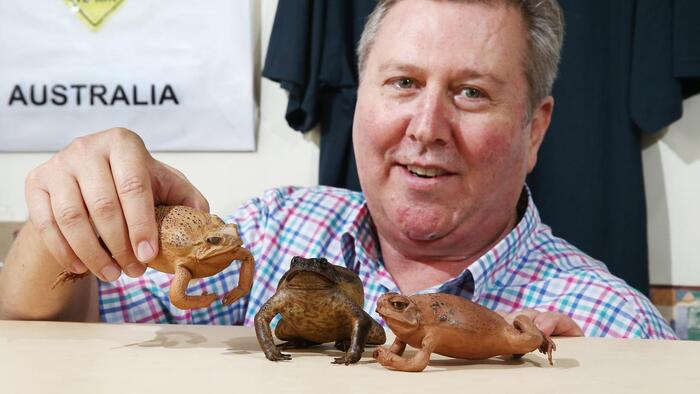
(541, 117)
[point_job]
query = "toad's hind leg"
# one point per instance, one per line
(376, 335)
(530, 338)
(178, 291)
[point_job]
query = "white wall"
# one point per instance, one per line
(283, 156)
(672, 182)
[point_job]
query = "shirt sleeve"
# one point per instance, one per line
(617, 311)
(602, 305)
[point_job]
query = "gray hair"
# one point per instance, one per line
(544, 20)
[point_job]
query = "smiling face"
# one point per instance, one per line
(441, 131)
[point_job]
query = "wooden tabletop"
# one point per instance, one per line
(50, 357)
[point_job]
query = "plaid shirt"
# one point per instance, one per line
(529, 268)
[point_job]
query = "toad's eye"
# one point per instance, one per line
(399, 305)
(404, 83)
(214, 240)
(472, 93)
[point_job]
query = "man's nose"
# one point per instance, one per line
(430, 122)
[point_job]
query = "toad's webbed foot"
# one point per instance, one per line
(233, 296)
(276, 355)
(347, 359)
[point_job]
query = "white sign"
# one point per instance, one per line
(178, 72)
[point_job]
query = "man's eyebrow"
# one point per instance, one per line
(399, 67)
(465, 73)
(470, 74)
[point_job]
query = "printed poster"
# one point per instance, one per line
(178, 72)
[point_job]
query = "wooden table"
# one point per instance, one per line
(50, 357)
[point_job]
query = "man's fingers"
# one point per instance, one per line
(550, 323)
(557, 324)
(74, 223)
(134, 190)
(42, 219)
(173, 188)
(105, 210)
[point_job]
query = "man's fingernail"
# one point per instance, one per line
(144, 251)
(134, 269)
(79, 267)
(110, 273)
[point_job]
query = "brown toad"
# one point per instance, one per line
(319, 302)
(454, 327)
(194, 244)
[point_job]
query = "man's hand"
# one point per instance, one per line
(105, 183)
(551, 323)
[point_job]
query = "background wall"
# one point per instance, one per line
(671, 166)
(672, 183)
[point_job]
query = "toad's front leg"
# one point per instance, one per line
(245, 277)
(178, 291)
(393, 360)
(361, 324)
(262, 329)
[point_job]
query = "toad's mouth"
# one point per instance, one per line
(304, 280)
(210, 254)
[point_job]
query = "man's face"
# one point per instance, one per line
(440, 131)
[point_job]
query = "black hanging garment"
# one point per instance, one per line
(626, 66)
(312, 55)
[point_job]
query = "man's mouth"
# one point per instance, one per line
(425, 172)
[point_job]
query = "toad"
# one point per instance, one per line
(319, 302)
(194, 244)
(455, 327)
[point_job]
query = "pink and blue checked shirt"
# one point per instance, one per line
(529, 268)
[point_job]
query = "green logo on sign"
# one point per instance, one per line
(93, 12)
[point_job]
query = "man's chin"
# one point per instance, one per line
(423, 235)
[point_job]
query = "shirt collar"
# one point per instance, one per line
(487, 270)
(361, 246)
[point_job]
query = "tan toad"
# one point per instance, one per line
(194, 244)
(454, 327)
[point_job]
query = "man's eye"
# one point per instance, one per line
(404, 83)
(472, 93)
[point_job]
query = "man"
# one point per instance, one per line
(452, 107)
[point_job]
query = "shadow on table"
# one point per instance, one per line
(247, 345)
(503, 363)
(178, 338)
(531, 360)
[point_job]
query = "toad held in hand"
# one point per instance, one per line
(319, 302)
(195, 244)
(454, 327)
